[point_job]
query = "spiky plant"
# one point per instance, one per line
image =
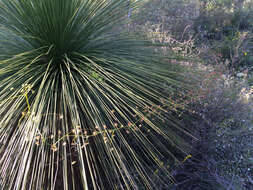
(83, 104)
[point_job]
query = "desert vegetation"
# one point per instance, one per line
(126, 94)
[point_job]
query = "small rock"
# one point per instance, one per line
(240, 75)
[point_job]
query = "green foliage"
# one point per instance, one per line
(224, 17)
(250, 80)
(82, 101)
(227, 29)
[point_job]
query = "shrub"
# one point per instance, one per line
(165, 18)
(226, 28)
(222, 158)
(82, 100)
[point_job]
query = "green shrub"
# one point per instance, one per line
(82, 102)
(226, 27)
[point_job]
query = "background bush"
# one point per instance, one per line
(227, 29)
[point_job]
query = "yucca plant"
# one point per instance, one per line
(83, 104)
